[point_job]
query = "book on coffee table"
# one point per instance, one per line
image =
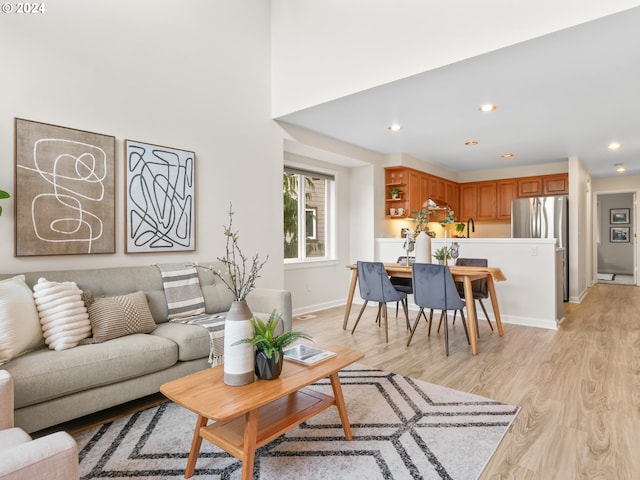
(306, 354)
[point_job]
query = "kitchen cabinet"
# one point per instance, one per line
(555, 184)
(487, 201)
(416, 187)
(397, 177)
(468, 201)
(529, 187)
(505, 191)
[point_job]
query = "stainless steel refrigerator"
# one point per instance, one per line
(544, 217)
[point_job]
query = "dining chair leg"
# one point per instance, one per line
(359, 315)
(415, 324)
(430, 320)
(405, 307)
(446, 331)
(464, 324)
(386, 322)
(476, 317)
(486, 314)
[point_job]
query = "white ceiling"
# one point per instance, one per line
(565, 94)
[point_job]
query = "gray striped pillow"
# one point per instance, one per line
(114, 317)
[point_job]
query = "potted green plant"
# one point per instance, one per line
(459, 229)
(442, 255)
(3, 195)
(395, 192)
(269, 346)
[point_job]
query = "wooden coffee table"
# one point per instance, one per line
(250, 416)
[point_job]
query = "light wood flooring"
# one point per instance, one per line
(578, 387)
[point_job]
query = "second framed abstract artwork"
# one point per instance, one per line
(160, 198)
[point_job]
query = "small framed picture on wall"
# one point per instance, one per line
(619, 235)
(619, 215)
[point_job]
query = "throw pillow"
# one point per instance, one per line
(114, 317)
(19, 323)
(63, 315)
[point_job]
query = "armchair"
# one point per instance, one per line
(54, 457)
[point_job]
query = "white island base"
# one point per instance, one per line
(532, 293)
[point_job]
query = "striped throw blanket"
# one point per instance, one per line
(186, 305)
(214, 323)
(182, 289)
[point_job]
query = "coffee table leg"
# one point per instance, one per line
(195, 447)
(342, 408)
(250, 440)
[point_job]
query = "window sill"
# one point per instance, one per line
(302, 264)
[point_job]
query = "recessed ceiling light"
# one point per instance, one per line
(470, 143)
(614, 146)
(488, 107)
(620, 168)
(394, 127)
(508, 155)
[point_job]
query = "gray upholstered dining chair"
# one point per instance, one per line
(434, 288)
(375, 286)
(479, 288)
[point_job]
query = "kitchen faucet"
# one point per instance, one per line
(473, 227)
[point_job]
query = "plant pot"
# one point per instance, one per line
(268, 368)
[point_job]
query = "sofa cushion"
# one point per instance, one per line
(20, 329)
(192, 340)
(46, 374)
(63, 315)
(114, 317)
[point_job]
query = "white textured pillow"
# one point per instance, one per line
(19, 324)
(63, 315)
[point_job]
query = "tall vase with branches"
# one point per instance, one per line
(239, 275)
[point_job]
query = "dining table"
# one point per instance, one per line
(464, 274)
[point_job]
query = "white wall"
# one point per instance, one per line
(186, 74)
(323, 50)
(580, 230)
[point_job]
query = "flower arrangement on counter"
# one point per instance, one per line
(422, 217)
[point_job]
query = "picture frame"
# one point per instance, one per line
(159, 198)
(619, 215)
(64, 190)
(619, 234)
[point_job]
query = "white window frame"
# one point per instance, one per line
(330, 214)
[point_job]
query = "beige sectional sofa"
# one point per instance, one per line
(56, 386)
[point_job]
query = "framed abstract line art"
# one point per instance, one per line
(64, 190)
(619, 234)
(619, 215)
(160, 198)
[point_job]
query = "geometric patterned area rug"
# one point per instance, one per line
(402, 429)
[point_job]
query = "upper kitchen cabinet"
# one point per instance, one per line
(506, 191)
(555, 184)
(487, 201)
(417, 187)
(468, 201)
(397, 178)
(529, 186)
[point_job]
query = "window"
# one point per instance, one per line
(308, 209)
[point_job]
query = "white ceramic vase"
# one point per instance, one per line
(238, 359)
(422, 248)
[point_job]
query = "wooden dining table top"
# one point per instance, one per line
(399, 270)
